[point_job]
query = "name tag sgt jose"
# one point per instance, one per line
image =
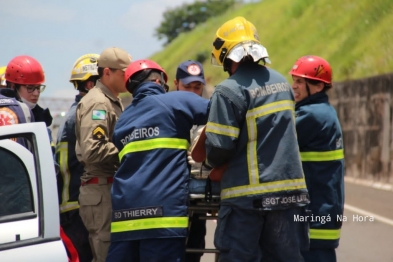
(285, 200)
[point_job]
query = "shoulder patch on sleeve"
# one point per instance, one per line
(98, 115)
(99, 133)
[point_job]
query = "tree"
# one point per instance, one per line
(186, 17)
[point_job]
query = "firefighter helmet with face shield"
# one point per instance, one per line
(84, 68)
(312, 67)
(236, 39)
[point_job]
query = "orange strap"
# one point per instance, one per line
(74, 257)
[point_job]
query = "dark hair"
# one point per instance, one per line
(16, 86)
(326, 86)
(15, 93)
(100, 71)
(153, 76)
(147, 75)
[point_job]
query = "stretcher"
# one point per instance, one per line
(204, 200)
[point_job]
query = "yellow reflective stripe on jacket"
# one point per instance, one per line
(271, 108)
(222, 129)
(268, 187)
(325, 234)
(322, 156)
(149, 223)
(62, 150)
(145, 145)
(65, 207)
(251, 116)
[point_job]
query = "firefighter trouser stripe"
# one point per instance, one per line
(325, 234)
(68, 206)
(149, 223)
(62, 151)
(322, 156)
(267, 187)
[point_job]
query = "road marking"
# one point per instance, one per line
(366, 213)
(369, 183)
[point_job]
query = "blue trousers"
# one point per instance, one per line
(320, 255)
(244, 235)
(148, 250)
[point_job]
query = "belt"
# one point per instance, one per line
(96, 180)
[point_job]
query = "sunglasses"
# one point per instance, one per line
(31, 88)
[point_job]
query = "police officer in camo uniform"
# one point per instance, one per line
(96, 117)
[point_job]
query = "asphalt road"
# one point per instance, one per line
(367, 235)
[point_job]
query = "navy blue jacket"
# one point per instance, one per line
(150, 188)
(251, 127)
(321, 150)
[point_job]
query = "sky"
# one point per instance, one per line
(57, 32)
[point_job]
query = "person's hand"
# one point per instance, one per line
(189, 159)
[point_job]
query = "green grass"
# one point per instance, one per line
(355, 37)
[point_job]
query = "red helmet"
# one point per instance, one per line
(312, 67)
(24, 70)
(138, 66)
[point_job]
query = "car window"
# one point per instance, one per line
(15, 189)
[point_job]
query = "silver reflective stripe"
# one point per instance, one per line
(222, 129)
(62, 150)
(268, 187)
(26, 111)
(271, 108)
(65, 207)
(251, 116)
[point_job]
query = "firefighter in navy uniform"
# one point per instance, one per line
(150, 188)
(321, 149)
(83, 77)
(251, 129)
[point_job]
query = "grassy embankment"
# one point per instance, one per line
(355, 36)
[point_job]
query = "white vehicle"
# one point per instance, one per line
(29, 210)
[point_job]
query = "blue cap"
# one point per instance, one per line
(190, 71)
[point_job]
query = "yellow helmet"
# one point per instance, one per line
(84, 67)
(236, 39)
(2, 76)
